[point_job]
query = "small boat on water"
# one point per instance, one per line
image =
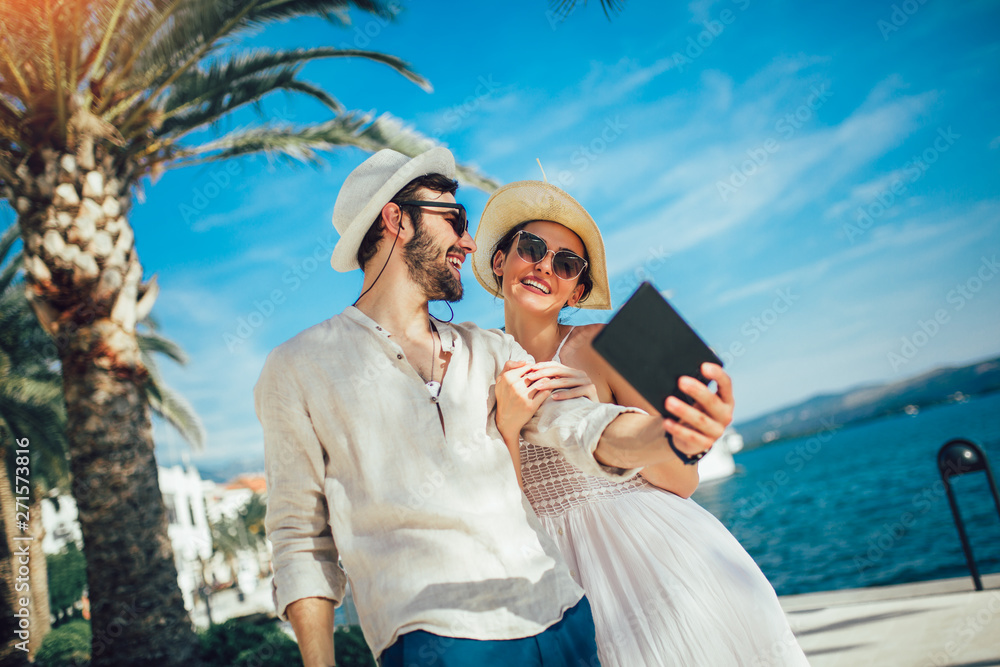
(719, 463)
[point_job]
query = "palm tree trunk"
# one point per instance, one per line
(84, 276)
(137, 612)
(9, 653)
(37, 591)
(41, 615)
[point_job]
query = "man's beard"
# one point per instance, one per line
(429, 270)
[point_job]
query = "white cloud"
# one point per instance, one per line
(219, 379)
(864, 193)
(804, 167)
(701, 10)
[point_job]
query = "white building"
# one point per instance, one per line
(60, 524)
(187, 525)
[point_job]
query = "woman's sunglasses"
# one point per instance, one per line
(459, 222)
(532, 249)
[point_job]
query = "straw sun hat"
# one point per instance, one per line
(370, 187)
(525, 201)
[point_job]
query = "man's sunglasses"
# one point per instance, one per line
(532, 249)
(459, 222)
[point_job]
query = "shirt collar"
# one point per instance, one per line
(449, 340)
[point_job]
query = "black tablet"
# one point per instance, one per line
(652, 346)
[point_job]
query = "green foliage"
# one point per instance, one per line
(139, 77)
(253, 514)
(251, 640)
(67, 577)
(66, 646)
(31, 390)
(243, 532)
(350, 648)
(257, 640)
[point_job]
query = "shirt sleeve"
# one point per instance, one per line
(573, 427)
(305, 557)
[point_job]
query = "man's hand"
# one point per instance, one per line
(698, 426)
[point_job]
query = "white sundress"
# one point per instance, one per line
(669, 585)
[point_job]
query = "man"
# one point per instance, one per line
(382, 450)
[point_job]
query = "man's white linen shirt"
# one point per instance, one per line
(427, 518)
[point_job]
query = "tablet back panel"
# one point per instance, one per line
(652, 346)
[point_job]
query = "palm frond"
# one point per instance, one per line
(163, 400)
(9, 112)
(142, 23)
(387, 131)
(45, 427)
(55, 62)
(198, 28)
(247, 90)
(560, 9)
(150, 342)
(110, 31)
(10, 72)
(10, 271)
(173, 408)
(303, 144)
(7, 240)
(199, 87)
(28, 392)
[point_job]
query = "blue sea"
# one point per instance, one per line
(863, 505)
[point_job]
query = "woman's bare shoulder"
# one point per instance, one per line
(587, 331)
(578, 346)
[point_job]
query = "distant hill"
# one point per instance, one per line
(873, 401)
(222, 471)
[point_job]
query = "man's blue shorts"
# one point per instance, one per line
(569, 643)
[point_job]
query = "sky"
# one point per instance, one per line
(814, 185)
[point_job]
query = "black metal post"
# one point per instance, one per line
(958, 457)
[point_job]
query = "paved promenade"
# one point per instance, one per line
(941, 623)
(929, 624)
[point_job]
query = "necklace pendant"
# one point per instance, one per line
(434, 388)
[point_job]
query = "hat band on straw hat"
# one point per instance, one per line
(527, 201)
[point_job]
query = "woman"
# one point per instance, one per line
(669, 585)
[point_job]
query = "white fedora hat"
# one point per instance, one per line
(527, 201)
(371, 186)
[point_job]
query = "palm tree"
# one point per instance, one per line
(32, 407)
(94, 96)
